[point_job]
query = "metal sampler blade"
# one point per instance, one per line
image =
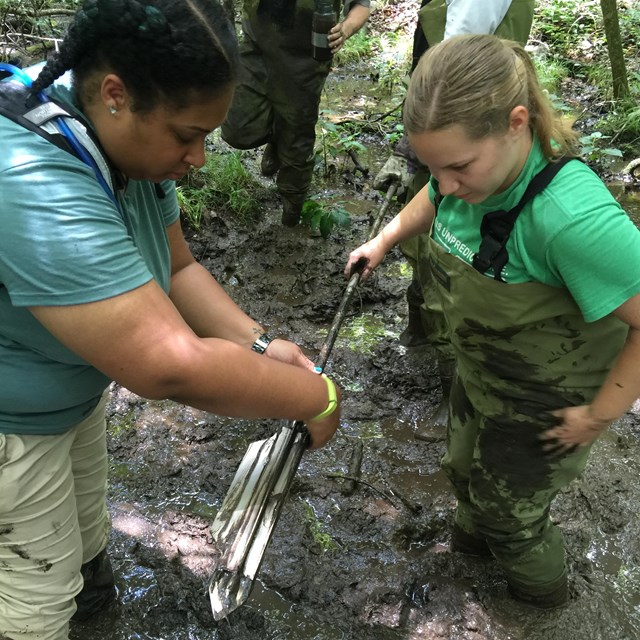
(245, 522)
(249, 513)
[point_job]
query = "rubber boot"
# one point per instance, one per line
(270, 163)
(553, 599)
(291, 212)
(463, 542)
(439, 419)
(446, 369)
(99, 587)
(414, 334)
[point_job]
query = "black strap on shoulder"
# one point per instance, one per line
(497, 225)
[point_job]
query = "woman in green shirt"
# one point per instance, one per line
(540, 290)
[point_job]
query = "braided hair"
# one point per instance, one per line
(165, 51)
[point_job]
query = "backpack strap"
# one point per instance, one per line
(15, 102)
(497, 226)
(52, 121)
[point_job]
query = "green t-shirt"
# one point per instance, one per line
(574, 235)
(63, 242)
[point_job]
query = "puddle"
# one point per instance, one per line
(629, 198)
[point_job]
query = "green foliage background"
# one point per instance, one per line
(567, 42)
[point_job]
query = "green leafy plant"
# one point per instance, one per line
(622, 122)
(394, 134)
(192, 202)
(357, 47)
(572, 27)
(324, 217)
(324, 541)
(336, 141)
(593, 148)
(550, 71)
(223, 184)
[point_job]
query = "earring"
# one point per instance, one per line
(112, 110)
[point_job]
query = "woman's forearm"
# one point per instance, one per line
(223, 378)
(208, 309)
(415, 218)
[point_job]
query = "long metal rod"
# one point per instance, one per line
(245, 522)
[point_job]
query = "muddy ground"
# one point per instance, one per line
(372, 564)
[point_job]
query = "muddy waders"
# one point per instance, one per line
(522, 351)
(426, 324)
(277, 100)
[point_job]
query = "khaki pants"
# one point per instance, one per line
(53, 518)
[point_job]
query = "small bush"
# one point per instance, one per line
(224, 185)
(323, 217)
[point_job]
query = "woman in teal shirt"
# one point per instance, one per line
(97, 283)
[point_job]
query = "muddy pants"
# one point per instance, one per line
(522, 351)
(53, 518)
(504, 484)
(277, 100)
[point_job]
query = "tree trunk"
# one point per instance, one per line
(614, 45)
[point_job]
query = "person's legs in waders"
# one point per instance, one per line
(505, 483)
(426, 324)
(276, 103)
(296, 101)
(249, 121)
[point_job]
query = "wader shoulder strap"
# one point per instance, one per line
(497, 225)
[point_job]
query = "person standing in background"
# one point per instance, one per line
(278, 97)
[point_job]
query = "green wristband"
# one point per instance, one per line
(333, 399)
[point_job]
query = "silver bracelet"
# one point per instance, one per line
(261, 343)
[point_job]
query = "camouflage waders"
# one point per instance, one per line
(278, 96)
(522, 351)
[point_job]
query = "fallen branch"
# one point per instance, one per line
(342, 476)
(46, 13)
(354, 156)
(355, 468)
(632, 168)
(29, 36)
